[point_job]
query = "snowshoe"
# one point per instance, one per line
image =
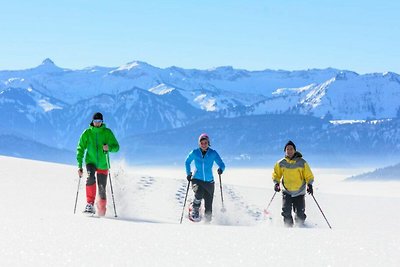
(194, 214)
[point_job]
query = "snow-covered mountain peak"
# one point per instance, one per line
(136, 69)
(129, 66)
(392, 76)
(135, 65)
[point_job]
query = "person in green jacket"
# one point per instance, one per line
(94, 144)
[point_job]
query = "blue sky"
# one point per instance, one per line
(357, 35)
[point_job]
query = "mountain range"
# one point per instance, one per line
(158, 113)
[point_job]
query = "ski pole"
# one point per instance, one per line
(111, 187)
(77, 191)
(269, 204)
(321, 211)
(184, 203)
(222, 197)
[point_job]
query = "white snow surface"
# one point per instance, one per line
(38, 227)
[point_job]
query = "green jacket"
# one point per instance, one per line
(92, 141)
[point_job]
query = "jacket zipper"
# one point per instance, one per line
(204, 173)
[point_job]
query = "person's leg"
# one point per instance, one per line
(299, 206)
(90, 184)
(198, 196)
(102, 183)
(208, 200)
(287, 210)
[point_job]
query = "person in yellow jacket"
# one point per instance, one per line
(296, 176)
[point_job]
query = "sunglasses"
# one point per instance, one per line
(97, 121)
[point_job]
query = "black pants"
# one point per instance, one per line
(101, 180)
(203, 190)
(298, 204)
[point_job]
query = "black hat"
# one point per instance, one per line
(98, 116)
(290, 143)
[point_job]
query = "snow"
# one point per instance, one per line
(38, 227)
(47, 106)
(128, 66)
(161, 89)
(205, 102)
(338, 122)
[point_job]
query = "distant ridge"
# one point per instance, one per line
(391, 173)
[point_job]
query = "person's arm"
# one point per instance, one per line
(308, 175)
(113, 145)
(277, 173)
(188, 161)
(80, 150)
(219, 162)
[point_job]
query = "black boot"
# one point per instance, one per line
(288, 221)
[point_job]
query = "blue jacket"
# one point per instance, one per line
(204, 165)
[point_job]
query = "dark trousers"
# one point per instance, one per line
(203, 190)
(101, 180)
(298, 205)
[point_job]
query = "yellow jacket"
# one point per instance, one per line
(295, 174)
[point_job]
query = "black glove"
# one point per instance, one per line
(310, 189)
(189, 177)
(220, 171)
(277, 187)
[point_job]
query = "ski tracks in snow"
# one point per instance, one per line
(160, 199)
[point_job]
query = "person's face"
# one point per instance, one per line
(97, 123)
(289, 151)
(204, 144)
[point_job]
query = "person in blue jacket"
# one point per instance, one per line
(203, 179)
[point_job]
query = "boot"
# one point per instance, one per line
(288, 221)
(195, 214)
(208, 216)
(89, 208)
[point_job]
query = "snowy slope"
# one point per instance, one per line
(352, 96)
(38, 227)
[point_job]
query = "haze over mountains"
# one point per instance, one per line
(157, 114)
